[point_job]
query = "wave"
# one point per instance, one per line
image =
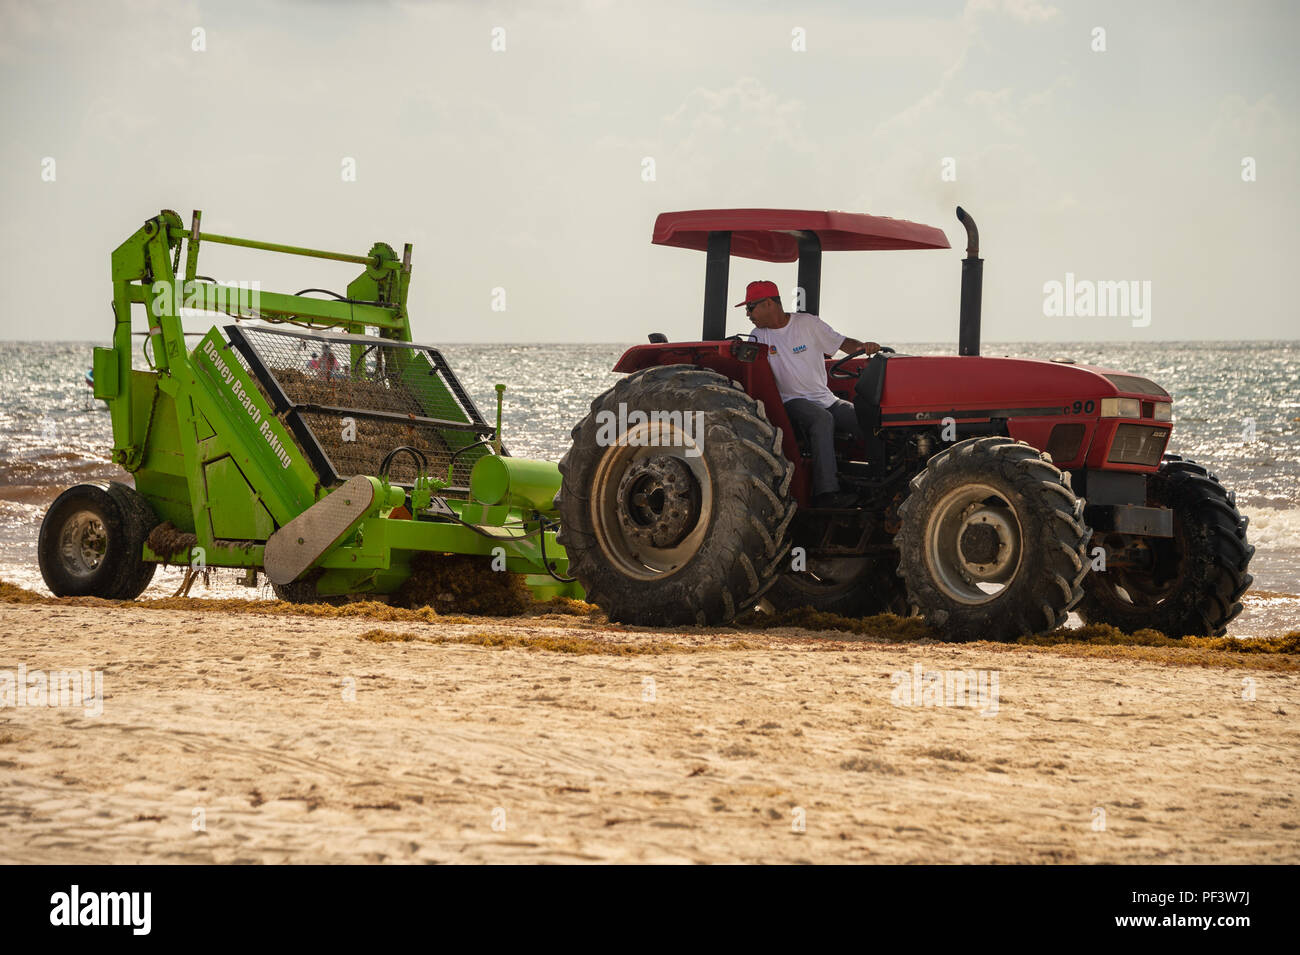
(58, 469)
(1273, 528)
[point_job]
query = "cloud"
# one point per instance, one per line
(744, 108)
(999, 108)
(1239, 121)
(920, 110)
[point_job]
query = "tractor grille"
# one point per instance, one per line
(1138, 444)
(351, 399)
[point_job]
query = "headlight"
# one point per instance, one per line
(1164, 411)
(1121, 407)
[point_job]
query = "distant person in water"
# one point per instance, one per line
(798, 345)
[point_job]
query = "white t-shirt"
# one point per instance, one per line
(797, 356)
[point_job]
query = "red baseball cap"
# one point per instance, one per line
(759, 290)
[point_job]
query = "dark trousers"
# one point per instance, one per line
(820, 425)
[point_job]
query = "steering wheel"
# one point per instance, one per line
(837, 370)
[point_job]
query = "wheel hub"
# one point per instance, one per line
(658, 501)
(987, 542)
(973, 543)
(83, 543)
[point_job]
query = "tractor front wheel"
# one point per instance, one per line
(674, 503)
(92, 542)
(992, 544)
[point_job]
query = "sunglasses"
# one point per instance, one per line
(749, 307)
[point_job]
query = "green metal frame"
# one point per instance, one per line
(211, 457)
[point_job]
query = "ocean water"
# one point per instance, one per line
(1236, 410)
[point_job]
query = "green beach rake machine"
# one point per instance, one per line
(311, 440)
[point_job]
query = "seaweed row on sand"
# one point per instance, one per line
(1094, 640)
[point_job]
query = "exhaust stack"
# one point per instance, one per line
(972, 288)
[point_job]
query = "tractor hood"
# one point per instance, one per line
(934, 387)
(1082, 415)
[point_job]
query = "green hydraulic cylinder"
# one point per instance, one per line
(519, 482)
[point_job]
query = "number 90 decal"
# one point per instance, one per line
(1080, 407)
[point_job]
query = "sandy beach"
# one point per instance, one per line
(230, 737)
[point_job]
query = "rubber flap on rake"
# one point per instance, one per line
(300, 543)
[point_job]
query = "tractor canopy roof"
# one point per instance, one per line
(772, 235)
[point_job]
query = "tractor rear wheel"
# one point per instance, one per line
(848, 586)
(689, 529)
(1192, 583)
(992, 544)
(92, 542)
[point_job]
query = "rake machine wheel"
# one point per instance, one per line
(297, 592)
(303, 591)
(92, 540)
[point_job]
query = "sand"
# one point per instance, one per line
(227, 737)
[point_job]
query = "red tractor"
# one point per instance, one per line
(994, 495)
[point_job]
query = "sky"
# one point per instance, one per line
(1151, 143)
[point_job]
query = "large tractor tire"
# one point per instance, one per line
(92, 542)
(1193, 583)
(848, 586)
(677, 533)
(993, 544)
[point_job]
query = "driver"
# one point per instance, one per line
(798, 345)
